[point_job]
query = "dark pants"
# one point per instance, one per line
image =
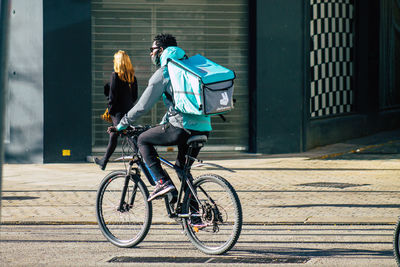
(113, 140)
(165, 135)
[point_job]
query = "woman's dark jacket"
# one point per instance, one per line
(121, 96)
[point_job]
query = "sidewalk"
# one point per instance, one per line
(354, 182)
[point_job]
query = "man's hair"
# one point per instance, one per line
(165, 40)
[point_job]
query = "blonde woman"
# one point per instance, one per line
(122, 94)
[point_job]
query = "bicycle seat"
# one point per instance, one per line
(197, 140)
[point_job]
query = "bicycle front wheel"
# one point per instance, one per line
(215, 225)
(123, 225)
(396, 245)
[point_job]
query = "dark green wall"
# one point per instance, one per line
(367, 118)
(67, 79)
(279, 75)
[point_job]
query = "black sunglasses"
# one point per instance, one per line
(153, 48)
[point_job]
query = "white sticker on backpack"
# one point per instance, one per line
(224, 100)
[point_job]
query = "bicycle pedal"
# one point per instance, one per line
(198, 228)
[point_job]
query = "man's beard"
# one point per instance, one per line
(156, 60)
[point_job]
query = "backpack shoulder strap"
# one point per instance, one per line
(168, 96)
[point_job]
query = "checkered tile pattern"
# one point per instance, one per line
(331, 58)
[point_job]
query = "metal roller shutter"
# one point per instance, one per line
(216, 29)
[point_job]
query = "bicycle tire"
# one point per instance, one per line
(396, 245)
(128, 228)
(206, 238)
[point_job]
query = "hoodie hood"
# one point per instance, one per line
(173, 52)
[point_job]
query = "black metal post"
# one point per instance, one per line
(4, 20)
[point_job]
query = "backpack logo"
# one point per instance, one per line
(224, 100)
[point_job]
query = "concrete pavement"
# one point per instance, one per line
(166, 245)
(353, 182)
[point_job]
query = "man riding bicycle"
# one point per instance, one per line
(175, 127)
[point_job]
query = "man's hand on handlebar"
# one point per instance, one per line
(112, 129)
(132, 129)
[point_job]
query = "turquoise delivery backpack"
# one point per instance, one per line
(200, 86)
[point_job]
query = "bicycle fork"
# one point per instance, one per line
(123, 206)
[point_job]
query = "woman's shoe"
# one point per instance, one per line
(101, 162)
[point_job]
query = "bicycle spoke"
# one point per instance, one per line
(126, 225)
(219, 203)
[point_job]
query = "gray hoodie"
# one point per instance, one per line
(158, 84)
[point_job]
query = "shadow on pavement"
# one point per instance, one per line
(313, 252)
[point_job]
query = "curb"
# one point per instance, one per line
(354, 151)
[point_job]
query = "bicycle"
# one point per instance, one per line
(396, 244)
(208, 207)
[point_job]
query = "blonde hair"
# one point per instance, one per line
(123, 67)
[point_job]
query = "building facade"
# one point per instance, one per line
(309, 72)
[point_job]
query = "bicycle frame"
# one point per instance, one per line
(185, 177)
(186, 181)
(137, 159)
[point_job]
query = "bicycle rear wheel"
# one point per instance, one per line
(215, 226)
(396, 245)
(128, 226)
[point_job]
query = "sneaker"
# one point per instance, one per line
(161, 189)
